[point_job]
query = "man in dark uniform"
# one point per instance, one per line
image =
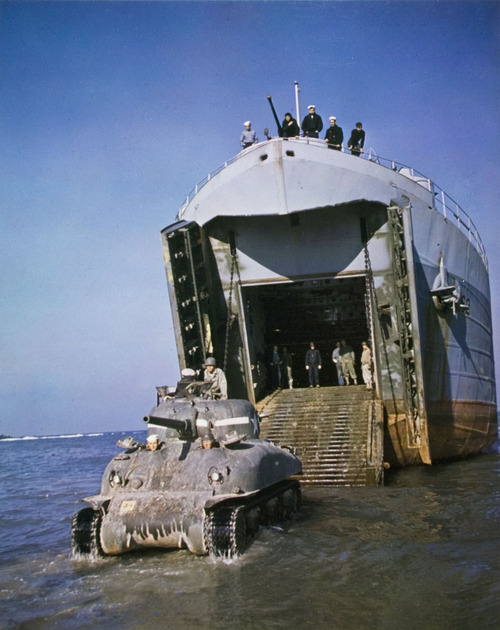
(290, 126)
(357, 140)
(312, 123)
(313, 364)
(334, 135)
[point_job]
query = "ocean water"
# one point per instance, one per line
(421, 552)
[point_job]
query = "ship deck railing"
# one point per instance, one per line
(442, 202)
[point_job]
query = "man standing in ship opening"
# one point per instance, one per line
(248, 136)
(216, 376)
(276, 369)
(312, 123)
(357, 140)
(313, 365)
(334, 135)
(347, 362)
(287, 364)
(338, 365)
(366, 365)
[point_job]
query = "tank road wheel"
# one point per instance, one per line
(272, 511)
(86, 532)
(290, 501)
(226, 531)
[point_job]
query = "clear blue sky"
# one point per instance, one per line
(110, 112)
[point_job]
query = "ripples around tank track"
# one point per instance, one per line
(420, 552)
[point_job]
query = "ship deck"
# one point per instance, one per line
(248, 174)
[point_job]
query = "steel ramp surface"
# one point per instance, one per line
(332, 431)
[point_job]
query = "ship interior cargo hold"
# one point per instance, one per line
(292, 314)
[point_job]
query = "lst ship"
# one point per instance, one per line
(291, 242)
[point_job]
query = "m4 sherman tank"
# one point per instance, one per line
(204, 481)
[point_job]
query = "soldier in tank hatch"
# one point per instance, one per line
(152, 442)
(207, 441)
(312, 123)
(217, 378)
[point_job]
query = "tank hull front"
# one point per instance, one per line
(163, 498)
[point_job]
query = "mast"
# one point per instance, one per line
(297, 90)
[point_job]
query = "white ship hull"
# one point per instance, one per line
(293, 242)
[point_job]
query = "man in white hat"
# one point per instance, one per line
(334, 135)
(312, 123)
(152, 442)
(248, 136)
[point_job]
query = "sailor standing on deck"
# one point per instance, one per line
(357, 140)
(312, 123)
(290, 126)
(248, 136)
(334, 135)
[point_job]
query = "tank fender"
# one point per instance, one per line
(98, 502)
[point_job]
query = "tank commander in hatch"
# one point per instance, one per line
(217, 378)
(248, 136)
(207, 441)
(152, 442)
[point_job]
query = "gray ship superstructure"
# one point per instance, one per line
(291, 242)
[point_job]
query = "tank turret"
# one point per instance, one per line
(203, 481)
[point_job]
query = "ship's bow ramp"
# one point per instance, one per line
(337, 432)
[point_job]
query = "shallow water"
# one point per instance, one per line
(420, 552)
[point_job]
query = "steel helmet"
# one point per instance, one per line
(210, 361)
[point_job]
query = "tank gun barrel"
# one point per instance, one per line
(280, 128)
(184, 427)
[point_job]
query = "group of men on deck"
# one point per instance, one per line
(311, 127)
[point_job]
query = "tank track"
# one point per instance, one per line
(86, 533)
(229, 528)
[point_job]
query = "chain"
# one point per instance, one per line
(369, 290)
(230, 316)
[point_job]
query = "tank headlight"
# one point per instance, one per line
(115, 479)
(214, 476)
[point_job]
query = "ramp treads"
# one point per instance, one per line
(328, 426)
